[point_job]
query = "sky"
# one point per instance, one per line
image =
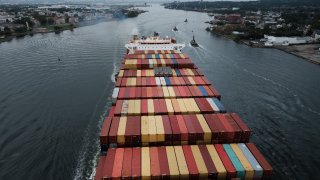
(108, 1)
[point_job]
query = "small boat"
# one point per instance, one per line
(175, 28)
(193, 41)
(186, 20)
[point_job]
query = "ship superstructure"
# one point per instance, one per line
(153, 43)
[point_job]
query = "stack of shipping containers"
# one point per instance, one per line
(167, 121)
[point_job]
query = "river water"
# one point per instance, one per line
(51, 111)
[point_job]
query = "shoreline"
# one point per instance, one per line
(292, 49)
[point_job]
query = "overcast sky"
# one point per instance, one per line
(120, 1)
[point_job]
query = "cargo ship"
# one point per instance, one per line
(167, 122)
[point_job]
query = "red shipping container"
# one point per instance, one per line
(152, 81)
(217, 94)
(197, 127)
(154, 163)
(192, 136)
(118, 108)
(160, 92)
(218, 130)
(149, 92)
(138, 92)
(117, 165)
(212, 171)
(155, 92)
(108, 165)
(100, 167)
(121, 93)
(182, 91)
(204, 105)
(143, 80)
(126, 93)
(113, 130)
(176, 133)
(267, 169)
(144, 106)
(126, 165)
(111, 111)
(156, 106)
(176, 92)
(133, 131)
(167, 130)
(163, 161)
(139, 81)
(105, 130)
(163, 106)
(132, 92)
(136, 163)
(245, 129)
(144, 93)
(191, 163)
(205, 80)
(231, 171)
(183, 128)
(237, 130)
(124, 82)
(229, 129)
(139, 63)
(143, 72)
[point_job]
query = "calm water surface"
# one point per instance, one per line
(51, 111)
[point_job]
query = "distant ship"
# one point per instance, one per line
(193, 41)
(175, 28)
(186, 20)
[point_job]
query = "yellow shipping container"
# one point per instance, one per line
(245, 163)
(174, 73)
(206, 129)
(163, 63)
(182, 56)
(150, 107)
(153, 56)
(152, 129)
(155, 64)
(182, 164)
(168, 56)
(138, 73)
(171, 92)
(161, 56)
(190, 72)
(137, 107)
(162, 51)
(121, 73)
(203, 171)
(194, 105)
(191, 80)
(121, 130)
(182, 107)
(131, 107)
(133, 82)
(151, 73)
(188, 105)
(169, 106)
(128, 81)
(144, 129)
(165, 92)
(222, 173)
(143, 56)
(145, 163)
(160, 129)
(172, 161)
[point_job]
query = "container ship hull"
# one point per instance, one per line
(167, 122)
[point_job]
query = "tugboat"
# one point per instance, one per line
(193, 41)
(186, 20)
(175, 28)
